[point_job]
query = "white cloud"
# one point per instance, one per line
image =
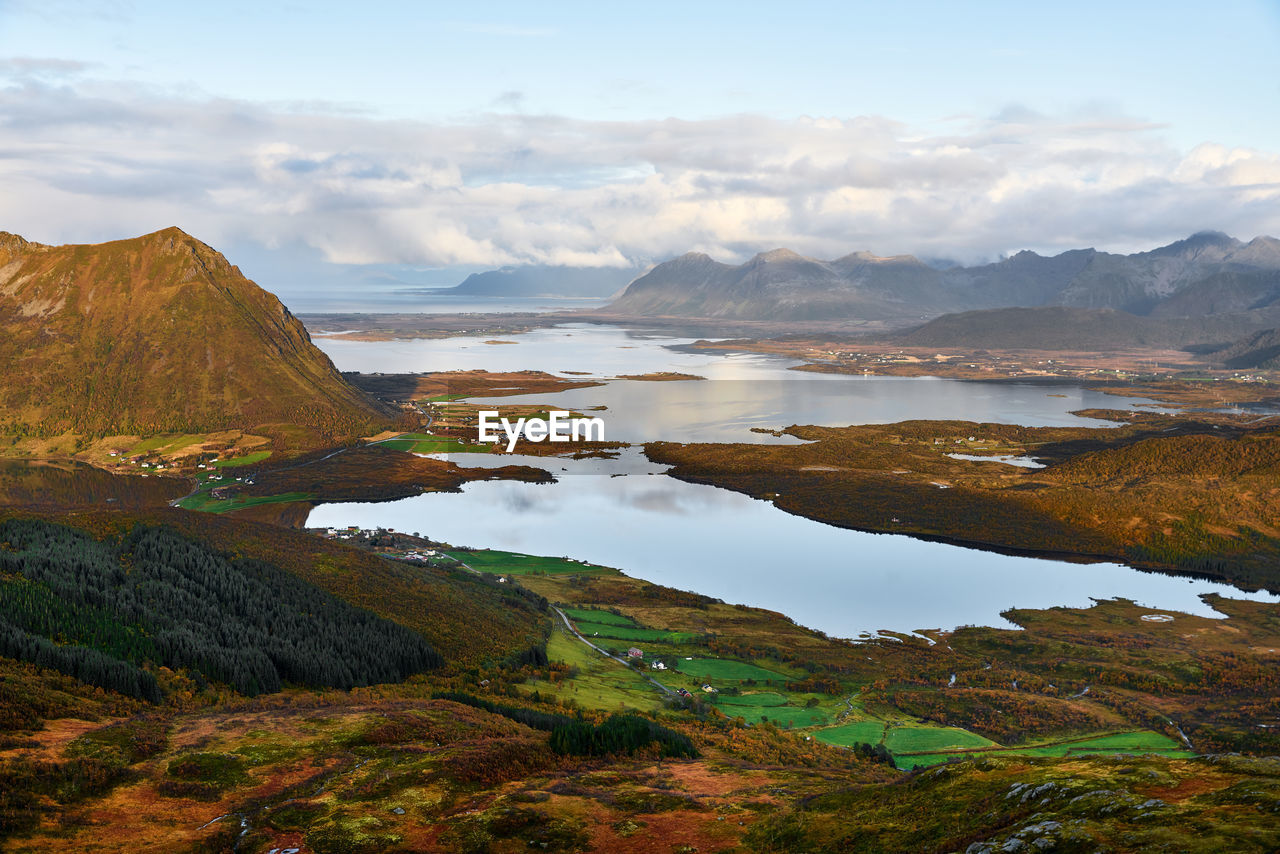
(90, 160)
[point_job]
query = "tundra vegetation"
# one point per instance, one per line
(478, 721)
(187, 681)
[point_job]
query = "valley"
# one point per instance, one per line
(809, 590)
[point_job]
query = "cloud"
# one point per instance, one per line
(86, 160)
(512, 99)
(41, 68)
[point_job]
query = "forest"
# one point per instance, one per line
(110, 611)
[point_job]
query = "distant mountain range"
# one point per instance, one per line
(1208, 274)
(546, 281)
(157, 334)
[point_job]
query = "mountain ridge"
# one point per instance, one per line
(546, 281)
(780, 284)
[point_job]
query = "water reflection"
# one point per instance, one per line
(624, 513)
(741, 550)
(741, 391)
(64, 484)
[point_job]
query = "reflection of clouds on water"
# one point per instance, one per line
(666, 500)
(732, 547)
(724, 544)
(528, 503)
(741, 390)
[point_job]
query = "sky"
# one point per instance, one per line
(328, 143)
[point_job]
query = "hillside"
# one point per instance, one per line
(537, 281)
(156, 334)
(1064, 328)
(1261, 350)
(1206, 274)
(1050, 328)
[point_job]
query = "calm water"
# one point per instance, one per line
(429, 301)
(741, 390)
(65, 483)
(627, 514)
(741, 550)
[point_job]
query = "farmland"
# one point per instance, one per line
(426, 443)
(513, 563)
(595, 623)
(727, 670)
(789, 712)
(796, 731)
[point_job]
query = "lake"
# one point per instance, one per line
(625, 513)
(741, 390)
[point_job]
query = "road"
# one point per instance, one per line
(568, 625)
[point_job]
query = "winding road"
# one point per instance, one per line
(569, 625)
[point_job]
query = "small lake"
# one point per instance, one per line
(625, 513)
(741, 550)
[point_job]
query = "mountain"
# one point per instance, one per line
(1260, 350)
(782, 285)
(1056, 327)
(1223, 293)
(538, 281)
(1207, 273)
(1044, 328)
(156, 334)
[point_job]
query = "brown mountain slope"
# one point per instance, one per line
(156, 334)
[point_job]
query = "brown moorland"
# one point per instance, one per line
(158, 334)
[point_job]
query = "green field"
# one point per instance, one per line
(513, 563)
(425, 443)
(773, 707)
(166, 444)
(246, 460)
(786, 717)
(601, 683)
(592, 615)
(918, 739)
(206, 503)
(857, 732)
(633, 633)
(1145, 741)
(764, 699)
(725, 669)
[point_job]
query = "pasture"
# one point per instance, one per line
(726, 670)
(856, 732)
(512, 563)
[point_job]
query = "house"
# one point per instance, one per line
(708, 689)
(635, 653)
(658, 665)
(683, 693)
